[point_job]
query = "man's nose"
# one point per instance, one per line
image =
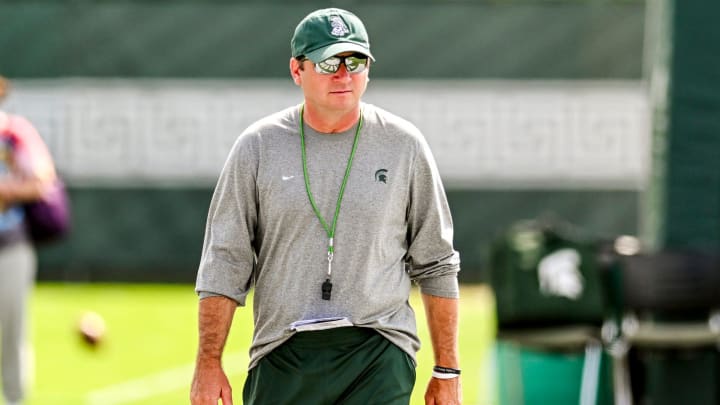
(342, 71)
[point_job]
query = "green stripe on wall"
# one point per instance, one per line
(223, 39)
(156, 235)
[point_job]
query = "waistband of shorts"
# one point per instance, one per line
(334, 336)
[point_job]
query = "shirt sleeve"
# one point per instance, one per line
(431, 259)
(228, 257)
(32, 156)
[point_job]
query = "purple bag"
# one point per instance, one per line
(49, 219)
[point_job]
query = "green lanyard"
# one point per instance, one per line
(327, 286)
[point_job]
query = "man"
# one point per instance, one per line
(26, 172)
(330, 210)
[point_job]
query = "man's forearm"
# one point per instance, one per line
(19, 190)
(442, 318)
(215, 316)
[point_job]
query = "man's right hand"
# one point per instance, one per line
(210, 382)
(209, 385)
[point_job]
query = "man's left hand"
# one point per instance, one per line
(444, 392)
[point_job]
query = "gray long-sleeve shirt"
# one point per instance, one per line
(394, 227)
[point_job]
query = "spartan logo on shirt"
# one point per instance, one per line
(381, 176)
(339, 29)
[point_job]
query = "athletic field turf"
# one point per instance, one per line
(147, 354)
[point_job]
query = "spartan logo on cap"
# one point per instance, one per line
(381, 175)
(339, 29)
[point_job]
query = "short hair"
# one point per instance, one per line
(301, 59)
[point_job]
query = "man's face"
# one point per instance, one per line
(340, 91)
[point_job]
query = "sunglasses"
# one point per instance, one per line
(354, 63)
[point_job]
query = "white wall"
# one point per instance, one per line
(484, 134)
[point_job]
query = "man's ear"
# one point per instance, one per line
(295, 71)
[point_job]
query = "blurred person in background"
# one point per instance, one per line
(26, 170)
(330, 210)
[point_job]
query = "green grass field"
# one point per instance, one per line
(148, 352)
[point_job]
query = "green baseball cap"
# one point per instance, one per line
(328, 32)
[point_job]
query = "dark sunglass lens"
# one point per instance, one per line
(329, 65)
(356, 63)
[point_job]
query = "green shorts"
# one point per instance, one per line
(335, 366)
